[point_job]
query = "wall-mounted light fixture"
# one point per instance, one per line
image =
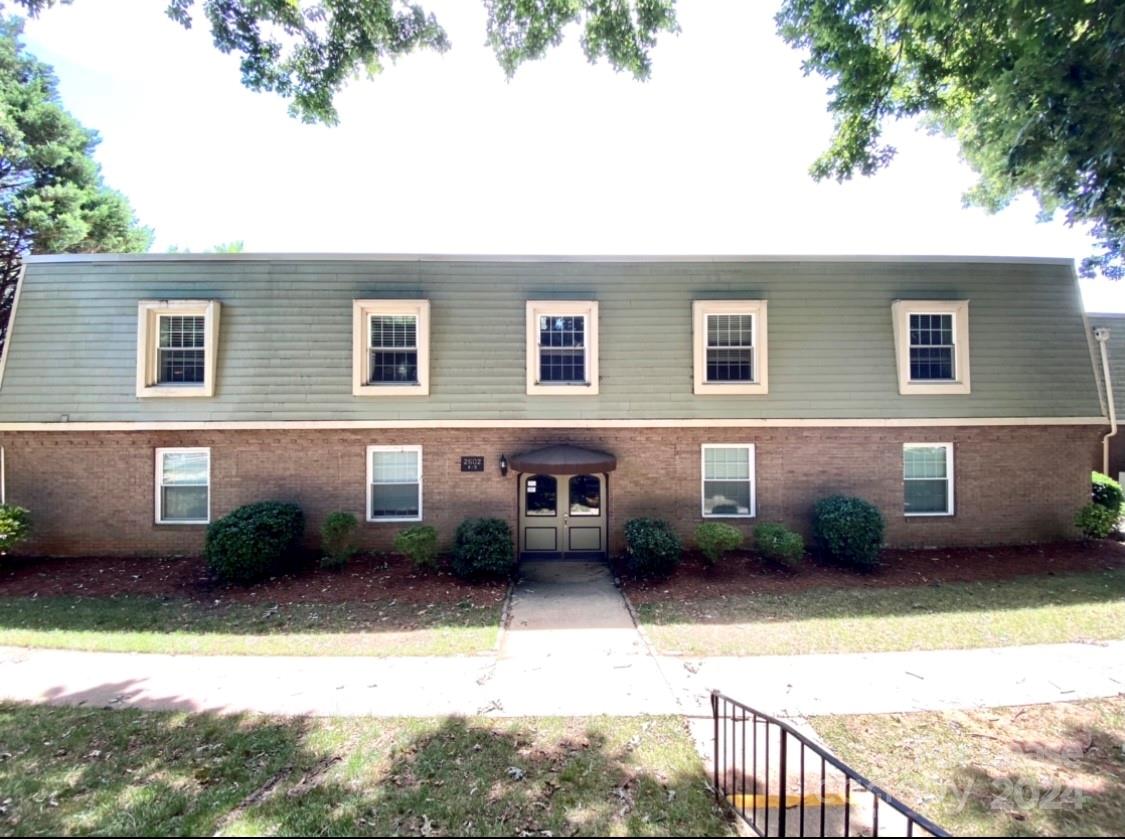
(503, 465)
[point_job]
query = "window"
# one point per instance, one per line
(394, 483)
(728, 481)
(932, 346)
(541, 495)
(391, 347)
(177, 343)
(927, 472)
(730, 347)
(183, 486)
(562, 347)
(585, 495)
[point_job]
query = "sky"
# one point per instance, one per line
(442, 154)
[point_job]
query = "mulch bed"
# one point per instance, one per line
(743, 573)
(364, 578)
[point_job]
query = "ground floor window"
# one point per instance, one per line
(394, 483)
(183, 486)
(927, 471)
(728, 481)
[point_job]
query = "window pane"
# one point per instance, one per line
(394, 331)
(184, 468)
(182, 332)
(730, 365)
(928, 462)
(394, 368)
(931, 347)
(183, 503)
(394, 467)
(726, 463)
(927, 496)
(394, 501)
(726, 498)
(181, 367)
(562, 353)
(730, 330)
(585, 495)
(541, 494)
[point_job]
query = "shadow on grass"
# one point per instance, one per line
(130, 772)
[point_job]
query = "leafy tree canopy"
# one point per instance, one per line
(52, 198)
(236, 246)
(1034, 90)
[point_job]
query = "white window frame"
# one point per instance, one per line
(901, 310)
(700, 310)
(948, 479)
(751, 456)
(587, 309)
(149, 313)
(160, 452)
(371, 450)
(362, 312)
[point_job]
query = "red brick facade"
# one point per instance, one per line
(92, 493)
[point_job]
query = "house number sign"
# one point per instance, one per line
(472, 463)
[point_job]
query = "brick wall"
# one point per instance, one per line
(92, 492)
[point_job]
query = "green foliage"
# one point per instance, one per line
(1107, 492)
(482, 549)
(15, 526)
(254, 541)
(1033, 91)
(1096, 521)
(235, 246)
(777, 543)
(715, 538)
(419, 543)
(652, 547)
(337, 539)
(848, 531)
(52, 198)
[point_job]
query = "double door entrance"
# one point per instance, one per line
(563, 516)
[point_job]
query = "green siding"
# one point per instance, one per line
(1116, 325)
(285, 338)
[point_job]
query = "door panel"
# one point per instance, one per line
(584, 539)
(540, 539)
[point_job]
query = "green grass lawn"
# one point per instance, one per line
(67, 771)
(157, 625)
(1043, 770)
(1025, 610)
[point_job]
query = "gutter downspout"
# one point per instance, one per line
(1101, 335)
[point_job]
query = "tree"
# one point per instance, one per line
(1034, 90)
(52, 198)
(236, 246)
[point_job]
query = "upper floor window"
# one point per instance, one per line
(177, 344)
(730, 346)
(932, 346)
(391, 354)
(562, 347)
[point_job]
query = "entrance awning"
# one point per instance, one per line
(564, 460)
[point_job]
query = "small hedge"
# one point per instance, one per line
(482, 548)
(337, 540)
(254, 541)
(777, 543)
(15, 526)
(848, 531)
(1096, 521)
(716, 538)
(419, 545)
(652, 548)
(1106, 492)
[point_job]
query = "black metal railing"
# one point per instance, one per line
(781, 783)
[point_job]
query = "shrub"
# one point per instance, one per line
(419, 543)
(848, 531)
(253, 542)
(714, 538)
(337, 540)
(652, 548)
(777, 543)
(15, 526)
(1107, 492)
(1096, 521)
(482, 548)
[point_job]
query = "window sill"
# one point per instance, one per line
(175, 391)
(199, 523)
(393, 521)
(737, 389)
(928, 515)
(933, 388)
(391, 390)
(587, 389)
(731, 516)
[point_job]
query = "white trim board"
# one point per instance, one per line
(299, 425)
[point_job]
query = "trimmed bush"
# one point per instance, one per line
(652, 547)
(715, 538)
(419, 544)
(1106, 492)
(337, 540)
(15, 526)
(777, 543)
(482, 548)
(254, 541)
(848, 531)
(1096, 521)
